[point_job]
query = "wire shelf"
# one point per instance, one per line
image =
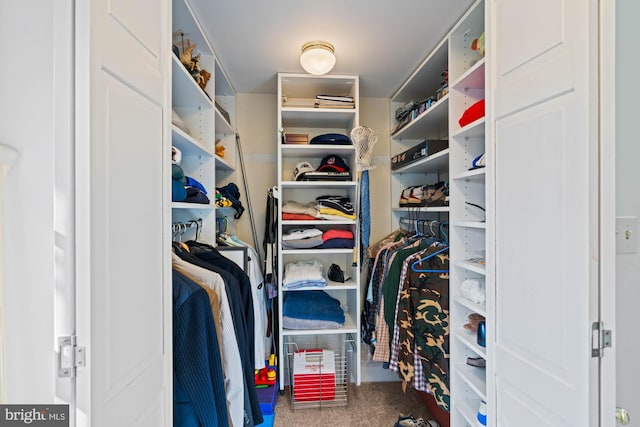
(324, 382)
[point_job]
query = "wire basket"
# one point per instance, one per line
(318, 371)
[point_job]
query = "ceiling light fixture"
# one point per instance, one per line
(317, 57)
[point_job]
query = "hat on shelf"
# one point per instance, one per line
(333, 164)
(300, 169)
(331, 138)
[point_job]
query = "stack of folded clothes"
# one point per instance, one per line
(335, 208)
(297, 211)
(303, 274)
(337, 239)
(311, 310)
(302, 238)
(186, 189)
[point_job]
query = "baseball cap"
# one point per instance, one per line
(333, 164)
(300, 169)
(331, 138)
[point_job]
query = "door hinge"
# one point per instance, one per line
(600, 339)
(70, 357)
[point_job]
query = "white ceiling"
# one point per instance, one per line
(382, 41)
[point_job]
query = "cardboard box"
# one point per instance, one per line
(424, 149)
(314, 375)
(296, 138)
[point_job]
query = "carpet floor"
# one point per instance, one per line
(371, 405)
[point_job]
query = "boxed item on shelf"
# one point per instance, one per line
(424, 149)
(296, 138)
(314, 375)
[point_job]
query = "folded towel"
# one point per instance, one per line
(293, 323)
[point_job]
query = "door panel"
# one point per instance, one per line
(124, 290)
(546, 163)
(542, 313)
(129, 273)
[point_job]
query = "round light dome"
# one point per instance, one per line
(317, 57)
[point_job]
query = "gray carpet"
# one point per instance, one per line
(370, 405)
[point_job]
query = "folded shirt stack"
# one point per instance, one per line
(335, 207)
(311, 309)
(302, 238)
(303, 274)
(297, 211)
(337, 239)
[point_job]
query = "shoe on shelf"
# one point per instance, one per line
(410, 421)
(478, 362)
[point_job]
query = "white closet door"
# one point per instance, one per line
(544, 78)
(124, 288)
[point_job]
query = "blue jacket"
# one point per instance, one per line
(199, 398)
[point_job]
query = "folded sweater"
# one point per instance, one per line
(316, 305)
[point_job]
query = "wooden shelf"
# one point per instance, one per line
(432, 124)
(293, 117)
(476, 308)
(185, 92)
(472, 174)
(469, 340)
(437, 162)
(349, 327)
(187, 144)
(474, 378)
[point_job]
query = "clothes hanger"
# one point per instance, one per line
(444, 249)
(431, 255)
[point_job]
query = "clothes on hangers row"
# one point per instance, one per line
(406, 313)
(208, 343)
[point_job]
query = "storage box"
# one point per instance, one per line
(314, 375)
(296, 138)
(268, 397)
(268, 420)
(424, 149)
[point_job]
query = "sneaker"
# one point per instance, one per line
(404, 196)
(439, 195)
(409, 421)
(478, 362)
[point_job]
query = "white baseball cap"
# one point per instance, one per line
(300, 169)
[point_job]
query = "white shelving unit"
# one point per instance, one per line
(469, 231)
(205, 124)
(296, 114)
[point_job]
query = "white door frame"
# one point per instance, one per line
(607, 143)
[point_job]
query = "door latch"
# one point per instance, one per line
(600, 339)
(70, 357)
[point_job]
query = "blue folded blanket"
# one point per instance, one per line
(316, 305)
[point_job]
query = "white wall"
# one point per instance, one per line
(27, 124)
(627, 204)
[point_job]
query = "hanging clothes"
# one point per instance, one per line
(242, 314)
(406, 312)
(198, 382)
(236, 394)
(252, 296)
(423, 323)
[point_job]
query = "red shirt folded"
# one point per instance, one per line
(336, 234)
(298, 217)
